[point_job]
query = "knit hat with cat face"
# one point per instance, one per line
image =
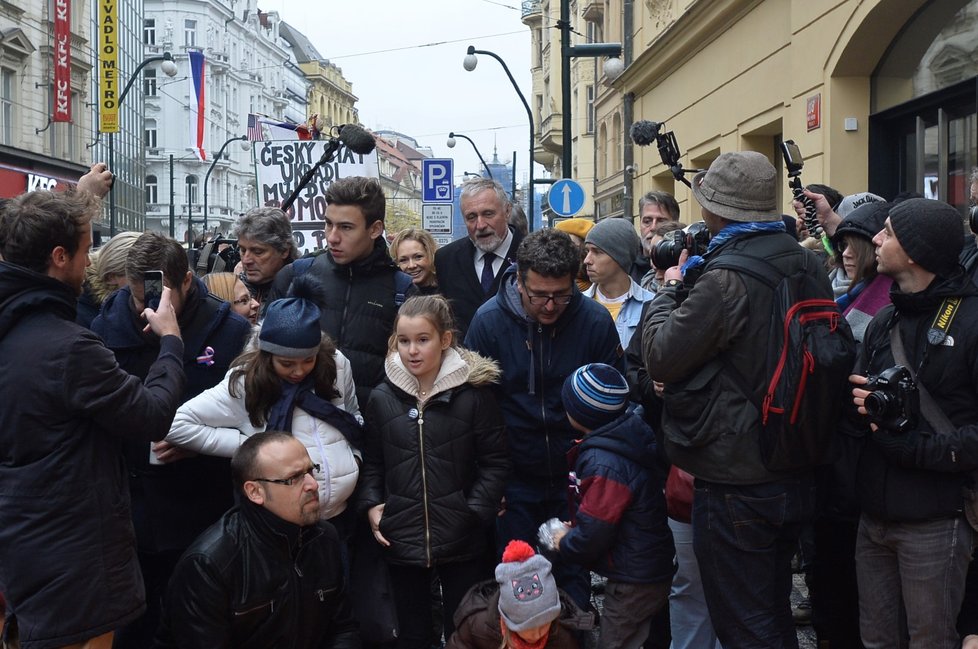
(528, 595)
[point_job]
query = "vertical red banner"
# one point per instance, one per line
(62, 61)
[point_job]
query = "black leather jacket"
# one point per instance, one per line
(255, 581)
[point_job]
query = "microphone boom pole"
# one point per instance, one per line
(332, 146)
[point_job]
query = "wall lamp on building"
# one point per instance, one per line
(469, 63)
(451, 145)
(169, 68)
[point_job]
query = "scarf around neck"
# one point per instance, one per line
(730, 232)
(303, 395)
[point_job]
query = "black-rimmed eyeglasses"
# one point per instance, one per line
(292, 479)
(541, 300)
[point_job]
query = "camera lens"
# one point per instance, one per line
(665, 254)
(881, 406)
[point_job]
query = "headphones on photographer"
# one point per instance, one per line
(973, 218)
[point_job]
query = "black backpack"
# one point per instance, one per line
(810, 355)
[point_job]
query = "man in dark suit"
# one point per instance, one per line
(469, 270)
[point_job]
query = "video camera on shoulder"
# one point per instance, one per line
(894, 401)
(694, 239)
(218, 255)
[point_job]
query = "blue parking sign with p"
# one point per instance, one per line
(436, 179)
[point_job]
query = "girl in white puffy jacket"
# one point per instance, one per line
(295, 381)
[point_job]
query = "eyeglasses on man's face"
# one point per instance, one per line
(292, 479)
(541, 300)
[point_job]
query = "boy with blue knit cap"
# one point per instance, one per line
(619, 529)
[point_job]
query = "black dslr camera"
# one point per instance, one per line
(893, 403)
(666, 253)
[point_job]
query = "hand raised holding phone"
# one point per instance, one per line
(158, 311)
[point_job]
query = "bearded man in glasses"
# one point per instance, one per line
(268, 574)
(539, 328)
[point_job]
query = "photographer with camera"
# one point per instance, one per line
(707, 343)
(916, 379)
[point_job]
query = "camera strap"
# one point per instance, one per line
(931, 412)
(928, 407)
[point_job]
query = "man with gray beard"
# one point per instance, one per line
(469, 270)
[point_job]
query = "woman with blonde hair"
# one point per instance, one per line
(105, 275)
(230, 288)
(413, 249)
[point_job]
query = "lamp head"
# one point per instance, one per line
(613, 67)
(470, 61)
(245, 144)
(168, 66)
(450, 142)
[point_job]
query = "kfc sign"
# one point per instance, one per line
(62, 61)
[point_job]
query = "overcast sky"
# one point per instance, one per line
(404, 59)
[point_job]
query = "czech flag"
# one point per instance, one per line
(198, 109)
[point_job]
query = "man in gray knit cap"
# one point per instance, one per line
(611, 248)
(916, 477)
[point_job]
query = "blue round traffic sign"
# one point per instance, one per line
(566, 197)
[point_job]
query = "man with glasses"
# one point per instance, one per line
(539, 328)
(268, 574)
(172, 501)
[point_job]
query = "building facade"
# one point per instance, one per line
(249, 68)
(36, 153)
(879, 95)
(330, 94)
(399, 164)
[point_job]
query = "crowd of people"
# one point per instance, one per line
(391, 444)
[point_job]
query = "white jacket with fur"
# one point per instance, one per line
(215, 423)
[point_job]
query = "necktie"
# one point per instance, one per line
(487, 274)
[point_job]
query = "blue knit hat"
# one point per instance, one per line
(291, 325)
(595, 395)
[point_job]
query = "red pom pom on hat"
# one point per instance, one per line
(517, 551)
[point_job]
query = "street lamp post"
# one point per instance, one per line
(220, 152)
(469, 64)
(451, 145)
(169, 69)
(612, 67)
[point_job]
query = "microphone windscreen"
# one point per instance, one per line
(356, 139)
(644, 132)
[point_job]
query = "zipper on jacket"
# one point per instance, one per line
(424, 487)
(346, 307)
(269, 604)
(543, 404)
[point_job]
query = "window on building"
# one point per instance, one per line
(152, 194)
(6, 106)
(190, 33)
(149, 82)
(149, 31)
(590, 108)
(149, 134)
(603, 152)
(616, 162)
(63, 135)
(192, 190)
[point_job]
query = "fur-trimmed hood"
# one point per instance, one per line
(458, 366)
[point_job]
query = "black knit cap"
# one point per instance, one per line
(930, 232)
(865, 221)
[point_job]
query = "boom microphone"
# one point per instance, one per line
(356, 139)
(645, 132)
